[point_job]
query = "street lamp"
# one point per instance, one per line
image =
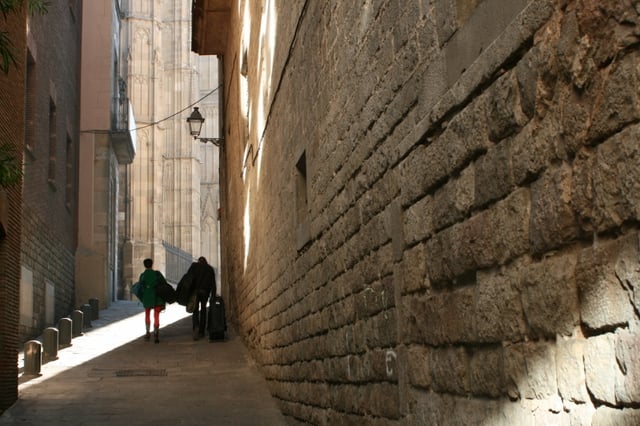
(195, 121)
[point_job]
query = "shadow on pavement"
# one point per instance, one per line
(111, 375)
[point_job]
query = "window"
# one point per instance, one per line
(302, 203)
(68, 190)
(52, 141)
(301, 188)
(30, 110)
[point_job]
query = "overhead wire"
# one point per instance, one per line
(162, 120)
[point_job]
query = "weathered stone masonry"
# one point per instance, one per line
(472, 250)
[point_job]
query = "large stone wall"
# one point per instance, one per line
(434, 216)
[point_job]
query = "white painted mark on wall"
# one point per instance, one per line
(390, 362)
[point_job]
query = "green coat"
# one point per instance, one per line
(149, 280)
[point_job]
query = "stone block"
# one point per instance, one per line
(418, 221)
(380, 400)
(628, 359)
(573, 110)
(453, 201)
(500, 104)
(579, 414)
(422, 170)
(480, 27)
(416, 320)
(550, 296)
(380, 365)
(486, 372)
(610, 416)
(618, 106)
(498, 312)
(513, 413)
(529, 74)
(553, 220)
(493, 173)
(442, 409)
(530, 371)
(571, 371)
(600, 368)
(450, 370)
(604, 302)
(418, 366)
(446, 20)
(616, 180)
(343, 312)
(511, 217)
(533, 149)
(380, 330)
(471, 245)
(566, 48)
(414, 270)
(464, 138)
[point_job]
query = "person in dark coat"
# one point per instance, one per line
(149, 279)
(204, 283)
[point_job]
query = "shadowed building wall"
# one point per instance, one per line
(12, 134)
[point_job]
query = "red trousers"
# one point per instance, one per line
(156, 316)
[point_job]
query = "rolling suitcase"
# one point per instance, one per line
(217, 323)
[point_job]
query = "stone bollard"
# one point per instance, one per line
(86, 315)
(32, 358)
(77, 321)
(95, 308)
(64, 326)
(50, 342)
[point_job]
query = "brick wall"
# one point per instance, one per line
(49, 210)
(12, 133)
(50, 261)
(467, 251)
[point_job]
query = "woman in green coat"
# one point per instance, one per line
(149, 279)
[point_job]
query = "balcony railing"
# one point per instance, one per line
(123, 126)
(178, 262)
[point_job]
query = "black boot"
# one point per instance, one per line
(156, 337)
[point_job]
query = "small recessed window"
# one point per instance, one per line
(70, 176)
(30, 104)
(53, 139)
(302, 203)
(301, 188)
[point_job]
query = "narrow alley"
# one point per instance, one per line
(111, 376)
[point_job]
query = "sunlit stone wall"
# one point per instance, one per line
(432, 211)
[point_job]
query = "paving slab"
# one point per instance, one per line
(111, 376)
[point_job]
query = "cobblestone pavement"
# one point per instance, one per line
(111, 376)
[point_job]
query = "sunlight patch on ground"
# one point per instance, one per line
(122, 323)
